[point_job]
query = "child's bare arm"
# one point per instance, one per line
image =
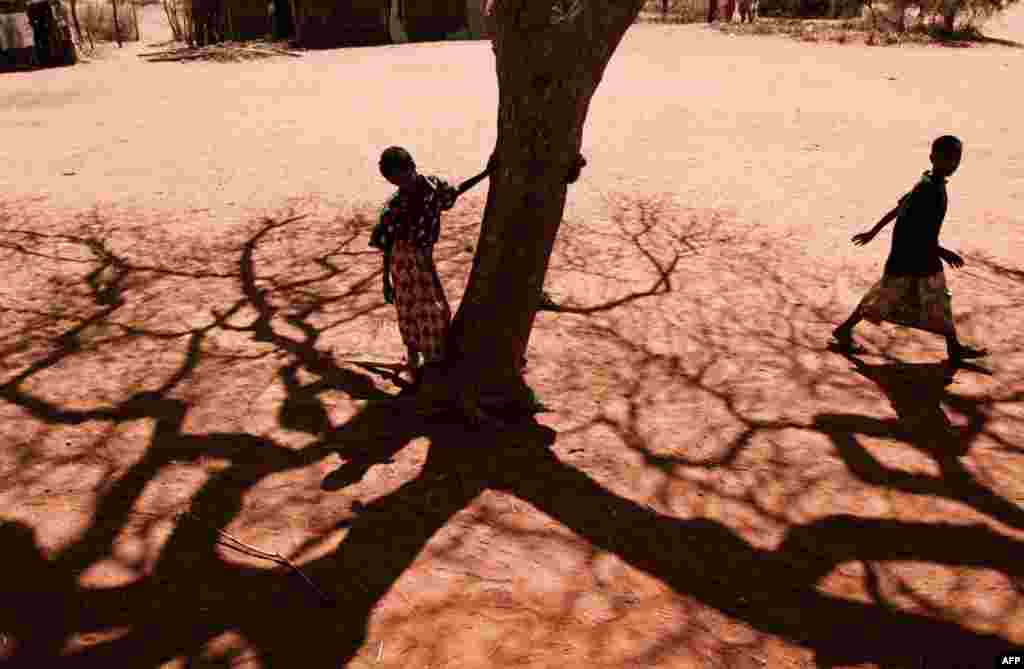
(492, 164)
(888, 218)
(865, 237)
(472, 181)
(951, 257)
(469, 183)
(387, 275)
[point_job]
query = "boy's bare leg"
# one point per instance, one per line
(844, 333)
(958, 351)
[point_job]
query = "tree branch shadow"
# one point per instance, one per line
(192, 594)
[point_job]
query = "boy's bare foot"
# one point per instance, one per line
(843, 342)
(961, 352)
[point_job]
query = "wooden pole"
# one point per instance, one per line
(117, 25)
(296, 21)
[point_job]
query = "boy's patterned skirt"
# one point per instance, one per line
(920, 302)
(423, 311)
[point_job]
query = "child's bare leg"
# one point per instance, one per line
(413, 357)
(844, 333)
(416, 366)
(958, 351)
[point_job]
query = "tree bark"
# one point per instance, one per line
(172, 20)
(550, 57)
(950, 8)
(297, 21)
(117, 26)
(74, 19)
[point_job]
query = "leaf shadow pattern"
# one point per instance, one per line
(191, 594)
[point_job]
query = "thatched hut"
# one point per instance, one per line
(429, 20)
(480, 26)
(340, 23)
(247, 19)
(320, 24)
(17, 43)
(432, 20)
(35, 33)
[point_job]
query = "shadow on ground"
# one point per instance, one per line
(98, 295)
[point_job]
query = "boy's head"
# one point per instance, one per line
(398, 167)
(946, 154)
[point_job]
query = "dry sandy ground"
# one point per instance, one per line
(722, 492)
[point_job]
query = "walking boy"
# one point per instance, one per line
(912, 291)
(410, 225)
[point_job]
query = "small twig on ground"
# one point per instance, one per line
(223, 51)
(272, 50)
(229, 541)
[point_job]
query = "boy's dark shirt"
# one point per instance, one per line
(915, 237)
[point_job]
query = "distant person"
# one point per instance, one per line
(728, 9)
(410, 225)
(40, 17)
(748, 10)
(912, 291)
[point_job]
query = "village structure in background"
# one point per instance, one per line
(42, 33)
(327, 23)
(35, 33)
(46, 33)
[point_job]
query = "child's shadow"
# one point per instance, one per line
(302, 409)
(916, 392)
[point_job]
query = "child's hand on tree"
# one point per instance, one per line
(577, 166)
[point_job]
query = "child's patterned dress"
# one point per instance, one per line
(410, 225)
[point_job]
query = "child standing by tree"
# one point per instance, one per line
(410, 225)
(912, 291)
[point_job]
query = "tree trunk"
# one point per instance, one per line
(117, 26)
(172, 20)
(550, 57)
(297, 21)
(74, 20)
(950, 8)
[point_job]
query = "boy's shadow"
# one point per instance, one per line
(917, 392)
